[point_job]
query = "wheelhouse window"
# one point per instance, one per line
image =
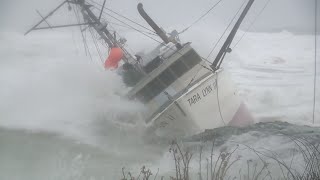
(168, 76)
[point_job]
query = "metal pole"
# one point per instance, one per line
(104, 3)
(315, 59)
(104, 33)
(225, 48)
(44, 19)
(62, 26)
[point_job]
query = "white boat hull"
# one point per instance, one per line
(210, 103)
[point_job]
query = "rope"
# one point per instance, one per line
(219, 107)
(196, 21)
(315, 60)
(252, 23)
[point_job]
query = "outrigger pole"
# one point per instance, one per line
(45, 18)
(226, 46)
(91, 20)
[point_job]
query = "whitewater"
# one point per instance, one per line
(62, 116)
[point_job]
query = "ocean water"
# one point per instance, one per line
(62, 116)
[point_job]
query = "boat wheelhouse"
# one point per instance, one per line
(180, 94)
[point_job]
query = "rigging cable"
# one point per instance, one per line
(118, 35)
(315, 60)
(125, 24)
(143, 33)
(201, 17)
(84, 35)
(192, 79)
(75, 10)
(72, 30)
(225, 30)
(252, 23)
(109, 22)
(123, 16)
(218, 100)
(96, 45)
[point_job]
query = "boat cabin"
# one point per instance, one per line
(168, 75)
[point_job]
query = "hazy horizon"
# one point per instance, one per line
(290, 15)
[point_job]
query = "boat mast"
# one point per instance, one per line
(91, 18)
(226, 46)
(100, 28)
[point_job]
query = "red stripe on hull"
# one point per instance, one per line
(242, 117)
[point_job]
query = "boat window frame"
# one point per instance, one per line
(159, 84)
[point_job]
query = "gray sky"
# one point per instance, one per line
(293, 15)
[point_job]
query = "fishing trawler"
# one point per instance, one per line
(183, 94)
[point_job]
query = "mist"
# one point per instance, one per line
(43, 62)
(290, 15)
(63, 116)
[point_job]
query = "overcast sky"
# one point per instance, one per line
(293, 15)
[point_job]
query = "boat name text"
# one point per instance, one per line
(195, 98)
